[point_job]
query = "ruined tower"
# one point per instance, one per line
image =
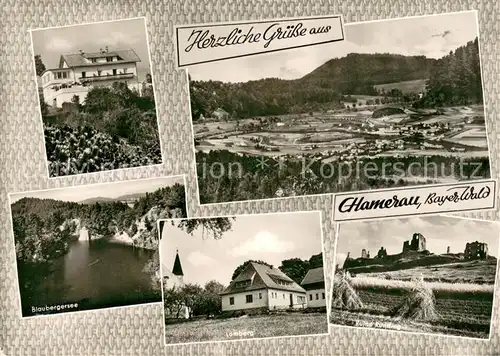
(363, 253)
(417, 243)
(476, 250)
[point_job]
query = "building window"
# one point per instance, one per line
(323, 295)
(65, 75)
(94, 60)
(317, 296)
(249, 298)
(109, 59)
(99, 72)
(310, 297)
(231, 300)
(124, 70)
(114, 71)
(260, 295)
(84, 74)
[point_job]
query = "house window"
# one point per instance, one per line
(109, 59)
(249, 298)
(310, 297)
(65, 75)
(114, 71)
(260, 295)
(124, 70)
(323, 295)
(231, 300)
(84, 74)
(93, 60)
(317, 296)
(99, 72)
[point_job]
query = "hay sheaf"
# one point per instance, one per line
(344, 295)
(419, 304)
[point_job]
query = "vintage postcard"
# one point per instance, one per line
(96, 97)
(240, 277)
(93, 246)
(432, 274)
(395, 103)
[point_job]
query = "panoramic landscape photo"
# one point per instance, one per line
(433, 275)
(243, 277)
(93, 246)
(397, 103)
(96, 97)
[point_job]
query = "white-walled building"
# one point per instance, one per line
(77, 73)
(261, 286)
(314, 284)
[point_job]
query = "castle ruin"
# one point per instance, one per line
(417, 243)
(476, 250)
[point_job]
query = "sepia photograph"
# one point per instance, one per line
(433, 275)
(92, 246)
(96, 97)
(397, 103)
(243, 277)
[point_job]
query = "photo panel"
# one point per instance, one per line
(391, 103)
(96, 97)
(93, 246)
(429, 274)
(241, 277)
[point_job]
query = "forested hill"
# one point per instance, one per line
(321, 89)
(44, 227)
(455, 79)
(356, 73)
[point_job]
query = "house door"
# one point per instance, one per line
(291, 300)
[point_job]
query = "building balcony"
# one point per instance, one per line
(108, 77)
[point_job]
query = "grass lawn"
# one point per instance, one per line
(246, 327)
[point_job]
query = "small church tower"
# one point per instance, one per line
(177, 269)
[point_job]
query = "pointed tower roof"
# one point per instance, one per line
(177, 269)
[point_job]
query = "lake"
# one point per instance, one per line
(93, 274)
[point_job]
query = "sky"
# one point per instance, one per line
(431, 36)
(268, 237)
(439, 231)
(104, 190)
(122, 34)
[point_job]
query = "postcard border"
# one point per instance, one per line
(334, 194)
(329, 325)
(39, 108)
(404, 332)
(11, 219)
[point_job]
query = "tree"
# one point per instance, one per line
(39, 66)
(76, 100)
(216, 226)
(173, 301)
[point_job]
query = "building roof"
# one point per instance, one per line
(261, 276)
(177, 269)
(312, 276)
(81, 59)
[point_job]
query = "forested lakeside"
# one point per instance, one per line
(45, 228)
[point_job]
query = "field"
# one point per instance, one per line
(407, 87)
(456, 315)
(246, 327)
(463, 294)
(473, 272)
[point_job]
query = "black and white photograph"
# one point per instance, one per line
(243, 277)
(97, 102)
(92, 246)
(397, 103)
(432, 275)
